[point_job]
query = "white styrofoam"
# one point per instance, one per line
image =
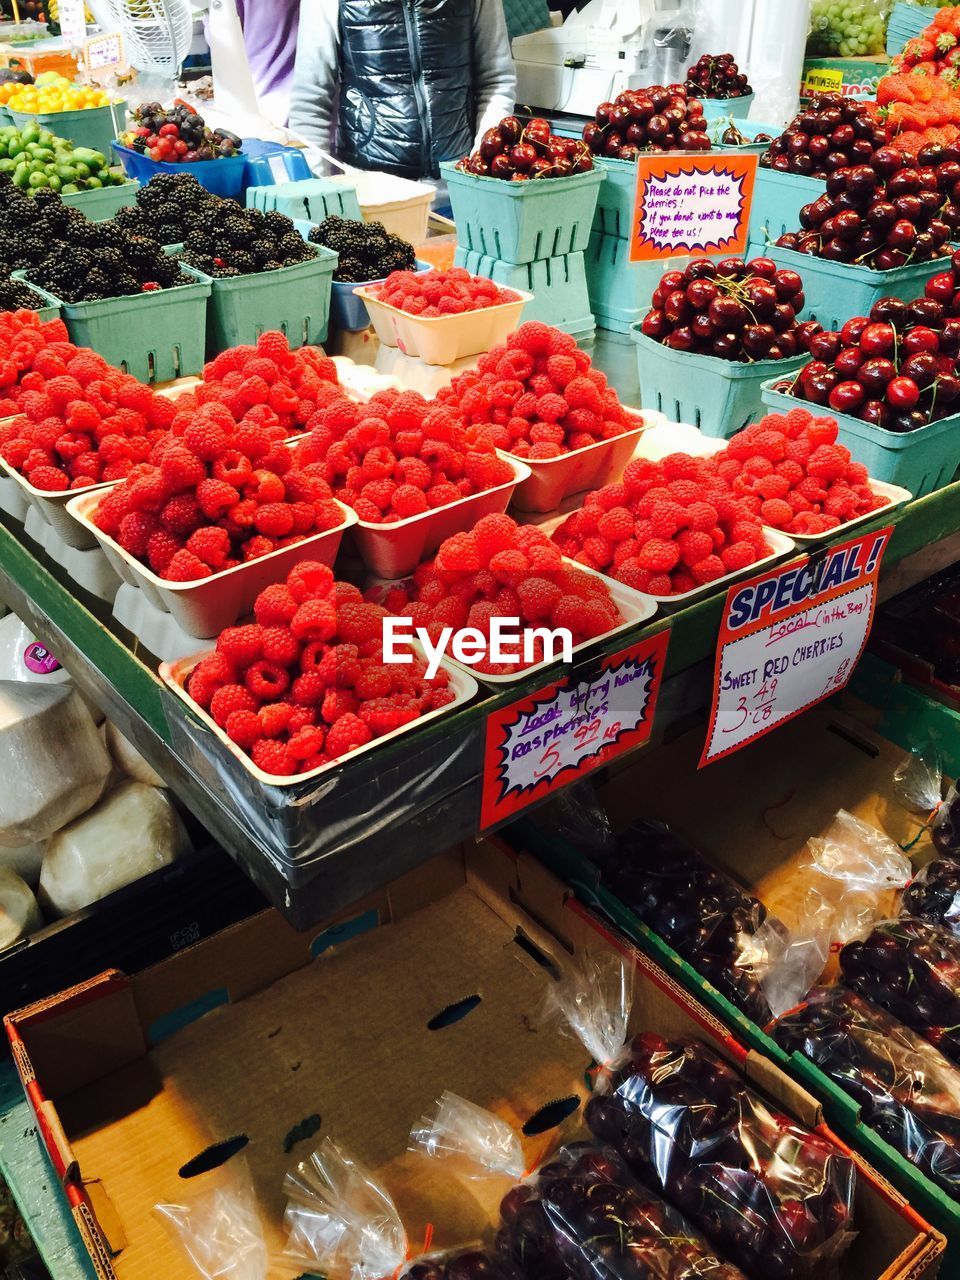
(203, 608)
(13, 501)
(87, 566)
(444, 339)
(393, 550)
(361, 382)
(176, 674)
(157, 631)
(413, 375)
(554, 479)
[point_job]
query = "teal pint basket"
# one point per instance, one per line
(739, 108)
(294, 299)
(156, 337)
(719, 396)
(311, 200)
(620, 290)
(905, 22)
(100, 204)
(777, 201)
(921, 460)
(521, 222)
(836, 291)
(614, 216)
(558, 285)
(94, 127)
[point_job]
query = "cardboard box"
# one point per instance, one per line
(751, 816)
(853, 77)
(255, 1028)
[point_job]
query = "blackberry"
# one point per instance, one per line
(278, 223)
(367, 251)
(351, 271)
(16, 296)
(293, 247)
(239, 232)
(245, 263)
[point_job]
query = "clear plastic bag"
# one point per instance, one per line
(912, 969)
(934, 895)
(850, 30)
(219, 1227)
(772, 1196)
(724, 932)
(918, 781)
(908, 1092)
(945, 830)
(580, 1216)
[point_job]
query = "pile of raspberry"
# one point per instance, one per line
(441, 293)
(80, 421)
(305, 683)
(292, 385)
(537, 397)
(791, 472)
(397, 456)
(214, 494)
(22, 337)
(502, 569)
(665, 528)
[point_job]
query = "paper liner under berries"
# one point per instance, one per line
(203, 608)
(392, 551)
(176, 674)
(443, 339)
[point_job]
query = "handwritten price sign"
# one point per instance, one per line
(691, 204)
(791, 638)
(553, 737)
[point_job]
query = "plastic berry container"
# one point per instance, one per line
(347, 311)
(721, 108)
(52, 507)
(778, 198)
(176, 674)
(443, 339)
(224, 176)
(552, 480)
(394, 550)
(205, 607)
(916, 461)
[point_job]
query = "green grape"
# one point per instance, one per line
(848, 28)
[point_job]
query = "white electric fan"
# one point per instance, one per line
(157, 34)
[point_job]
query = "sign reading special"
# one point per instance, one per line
(691, 204)
(791, 638)
(552, 737)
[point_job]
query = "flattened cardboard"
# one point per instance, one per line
(347, 1036)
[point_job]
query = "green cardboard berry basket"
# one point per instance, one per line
(621, 291)
(558, 285)
(93, 127)
(155, 336)
(720, 397)
(293, 299)
(777, 200)
(921, 460)
(837, 291)
(100, 204)
(310, 200)
(520, 222)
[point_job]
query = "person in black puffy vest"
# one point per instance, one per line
(400, 85)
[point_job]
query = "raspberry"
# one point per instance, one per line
(161, 549)
(616, 524)
(822, 431)
(347, 734)
(267, 681)
(136, 530)
(810, 489)
(738, 555)
(486, 470)
(241, 645)
(695, 545)
(701, 516)
(279, 644)
(776, 513)
(538, 597)
(383, 715)
(243, 727)
(828, 462)
(205, 439)
(659, 555)
(583, 393)
(274, 606)
(211, 545)
(707, 570)
(230, 698)
(315, 620)
(308, 690)
(305, 744)
(184, 567)
(273, 758)
(275, 719)
(274, 520)
(216, 497)
(667, 517)
(408, 500)
(309, 580)
(50, 479)
(360, 624)
(775, 486)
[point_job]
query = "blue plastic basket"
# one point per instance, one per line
(739, 108)
(905, 22)
(777, 201)
(269, 162)
(521, 222)
(309, 201)
(223, 177)
(836, 291)
(558, 285)
(921, 460)
(718, 396)
(347, 311)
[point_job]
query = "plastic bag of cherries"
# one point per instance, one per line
(580, 1215)
(934, 895)
(907, 1090)
(342, 1223)
(775, 1198)
(912, 969)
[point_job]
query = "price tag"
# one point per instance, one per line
(688, 204)
(791, 638)
(556, 736)
(104, 54)
(73, 25)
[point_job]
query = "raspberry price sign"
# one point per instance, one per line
(555, 736)
(691, 204)
(791, 638)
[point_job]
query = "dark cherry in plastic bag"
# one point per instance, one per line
(584, 1217)
(775, 1198)
(934, 895)
(946, 826)
(907, 1090)
(704, 915)
(912, 969)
